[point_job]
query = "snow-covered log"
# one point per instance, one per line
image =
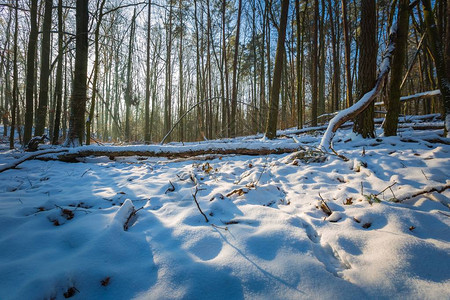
(424, 95)
(29, 156)
(177, 151)
(354, 110)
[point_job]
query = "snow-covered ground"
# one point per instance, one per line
(62, 225)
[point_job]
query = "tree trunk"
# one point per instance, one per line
(398, 63)
(336, 68)
(262, 88)
(168, 85)
(234, 91)
(225, 68)
(59, 75)
(348, 72)
(447, 44)
(45, 70)
(437, 50)
(180, 88)
(147, 133)
(322, 59)
(31, 52)
(7, 95)
(15, 96)
(271, 129)
(299, 65)
(314, 65)
(78, 98)
(128, 92)
(90, 122)
(367, 70)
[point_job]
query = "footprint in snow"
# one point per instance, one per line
(325, 253)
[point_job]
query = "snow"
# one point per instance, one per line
(267, 238)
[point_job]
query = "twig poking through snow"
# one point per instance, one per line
(324, 206)
(194, 195)
(86, 172)
(171, 188)
(219, 227)
(130, 217)
(388, 187)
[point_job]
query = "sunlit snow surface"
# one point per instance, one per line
(270, 239)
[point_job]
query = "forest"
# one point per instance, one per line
(123, 71)
(224, 149)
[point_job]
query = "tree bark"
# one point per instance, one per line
(128, 92)
(314, 65)
(31, 53)
(367, 70)
(78, 99)
(45, 70)
(437, 50)
(298, 65)
(180, 88)
(348, 72)
(147, 133)
(336, 68)
(168, 85)
(321, 64)
(235, 59)
(271, 129)
(169, 152)
(90, 122)
(7, 95)
(15, 96)
(59, 75)
(398, 63)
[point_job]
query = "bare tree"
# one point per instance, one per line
(314, 64)
(59, 75)
(437, 50)
(78, 99)
(89, 121)
(348, 72)
(367, 70)
(235, 59)
(398, 64)
(271, 129)
(147, 133)
(45, 69)
(31, 52)
(15, 79)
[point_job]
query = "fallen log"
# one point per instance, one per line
(252, 149)
(29, 156)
